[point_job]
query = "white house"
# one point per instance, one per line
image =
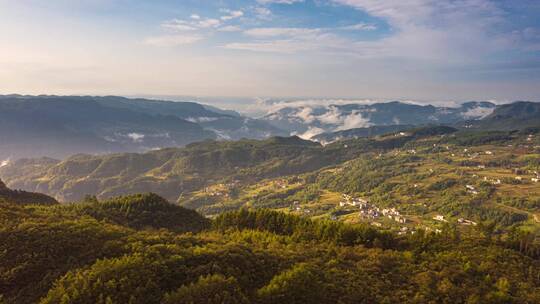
(439, 218)
(466, 222)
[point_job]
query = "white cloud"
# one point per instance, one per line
(197, 23)
(208, 23)
(272, 106)
(310, 133)
(263, 13)
(477, 113)
(230, 28)
(136, 137)
(231, 15)
(306, 114)
(443, 31)
(201, 119)
(281, 31)
(360, 27)
(332, 116)
(177, 25)
(422, 33)
(172, 40)
(279, 1)
(274, 46)
(342, 120)
(288, 40)
(436, 32)
(353, 120)
(329, 118)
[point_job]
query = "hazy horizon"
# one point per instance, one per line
(260, 106)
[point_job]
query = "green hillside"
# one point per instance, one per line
(68, 254)
(24, 197)
(513, 116)
(464, 178)
(172, 172)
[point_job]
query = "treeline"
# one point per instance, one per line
(469, 138)
(139, 211)
(304, 229)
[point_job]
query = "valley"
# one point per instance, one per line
(408, 214)
(423, 174)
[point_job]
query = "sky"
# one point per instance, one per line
(422, 50)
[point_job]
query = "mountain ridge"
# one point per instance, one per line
(306, 118)
(59, 126)
(172, 171)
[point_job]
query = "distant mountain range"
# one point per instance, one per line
(471, 115)
(55, 126)
(310, 120)
(60, 126)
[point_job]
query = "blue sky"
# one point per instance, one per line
(426, 50)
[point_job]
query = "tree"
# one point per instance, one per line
(300, 284)
(212, 289)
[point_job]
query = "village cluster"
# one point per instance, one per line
(221, 190)
(371, 211)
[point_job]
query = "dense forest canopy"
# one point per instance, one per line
(142, 249)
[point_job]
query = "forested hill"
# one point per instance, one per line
(360, 132)
(513, 116)
(133, 250)
(24, 197)
(171, 172)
